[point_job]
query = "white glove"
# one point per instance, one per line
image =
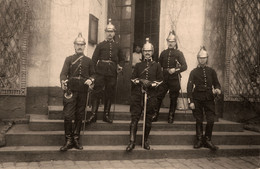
(119, 68)
(64, 84)
(192, 106)
(217, 91)
(156, 84)
(88, 82)
(172, 70)
(135, 81)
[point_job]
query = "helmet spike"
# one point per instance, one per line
(202, 52)
(110, 26)
(148, 45)
(80, 39)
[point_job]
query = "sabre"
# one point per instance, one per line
(114, 106)
(184, 107)
(179, 78)
(145, 104)
(85, 115)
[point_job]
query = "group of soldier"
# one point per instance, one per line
(150, 82)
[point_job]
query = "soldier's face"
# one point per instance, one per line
(79, 48)
(202, 60)
(171, 44)
(110, 35)
(147, 54)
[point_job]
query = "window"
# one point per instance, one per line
(93, 29)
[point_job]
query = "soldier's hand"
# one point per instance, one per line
(156, 84)
(146, 83)
(172, 70)
(119, 68)
(64, 84)
(88, 82)
(217, 91)
(91, 87)
(135, 81)
(192, 106)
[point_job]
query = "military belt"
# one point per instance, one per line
(77, 77)
(106, 61)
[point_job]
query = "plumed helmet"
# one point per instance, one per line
(148, 45)
(80, 40)
(110, 26)
(202, 52)
(171, 37)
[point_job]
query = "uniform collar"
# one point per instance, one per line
(148, 60)
(172, 48)
(109, 40)
(199, 66)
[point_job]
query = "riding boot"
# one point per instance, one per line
(146, 134)
(107, 106)
(76, 135)
(157, 110)
(199, 136)
(172, 111)
(94, 110)
(133, 129)
(68, 136)
(208, 133)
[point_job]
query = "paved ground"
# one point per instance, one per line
(248, 162)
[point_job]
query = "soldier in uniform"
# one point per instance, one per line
(146, 76)
(173, 63)
(76, 76)
(202, 85)
(108, 60)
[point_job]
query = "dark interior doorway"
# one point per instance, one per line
(147, 23)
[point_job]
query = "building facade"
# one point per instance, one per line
(37, 35)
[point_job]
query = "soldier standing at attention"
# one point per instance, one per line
(202, 85)
(146, 76)
(76, 77)
(173, 63)
(109, 61)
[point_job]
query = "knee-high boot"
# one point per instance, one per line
(76, 135)
(133, 129)
(157, 110)
(208, 133)
(172, 109)
(199, 135)
(68, 136)
(146, 135)
(106, 114)
(94, 110)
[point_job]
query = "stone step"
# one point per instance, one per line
(20, 135)
(122, 113)
(117, 152)
(42, 123)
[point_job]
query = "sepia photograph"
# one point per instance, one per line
(129, 84)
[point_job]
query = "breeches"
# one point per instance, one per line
(106, 84)
(137, 105)
(207, 106)
(75, 106)
(173, 90)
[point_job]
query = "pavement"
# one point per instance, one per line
(239, 162)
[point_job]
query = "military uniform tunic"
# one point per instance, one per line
(171, 58)
(199, 89)
(149, 70)
(106, 57)
(77, 70)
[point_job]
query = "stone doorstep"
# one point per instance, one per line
(21, 135)
(93, 153)
(42, 123)
(118, 108)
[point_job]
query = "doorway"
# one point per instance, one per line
(147, 23)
